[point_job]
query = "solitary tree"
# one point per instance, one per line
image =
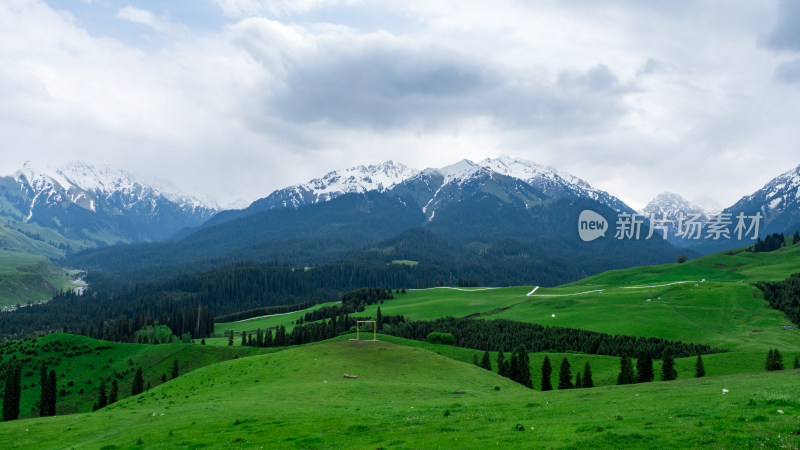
(230, 339)
(668, 372)
(699, 368)
(174, 369)
(796, 363)
(625, 371)
(51, 393)
(114, 394)
(138, 383)
(486, 361)
(13, 391)
(502, 364)
(522, 374)
(102, 399)
(379, 320)
(43, 400)
(565, 375)
(588, 382)
(774, 360)
(644, 369)
(546, 371)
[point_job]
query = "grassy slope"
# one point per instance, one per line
(410, 398)
(92, 360)
(26, 277)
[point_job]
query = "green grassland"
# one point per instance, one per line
(81, 363)
(25, 277)
(408, 397)
(412, 394)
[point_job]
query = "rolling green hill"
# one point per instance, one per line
(411, 398)
(25, 277)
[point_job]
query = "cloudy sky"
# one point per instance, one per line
(235, 98)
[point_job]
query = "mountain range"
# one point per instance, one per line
(502, 220)
(77, 205)
(499, 221)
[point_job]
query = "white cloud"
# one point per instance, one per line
(635, 98)
(158, 23)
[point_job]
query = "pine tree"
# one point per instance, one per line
(699, 368)
(546, 371)
(175, 369)
(774, 360)
(13, 391)
(51, 393)
(565, 375)
(43, 400)
(523, 370)
(578, 381)
(114, 394)
(644, 369)
(379, 320)
(102, 400)
(588, 382)
(486, 361)
(244, 339)
(625, 371)
(796, 238)
(138, 383)
(668, 372)
(475, 360)
(230, 339)
(796, 363)
(502, 370)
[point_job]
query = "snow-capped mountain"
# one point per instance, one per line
(355, 180)
(671, 206)
(435, 182)
(98, 203)
(778, 202)
(671, 211)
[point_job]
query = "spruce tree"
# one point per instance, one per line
(565, 375)
(774, 360)
(475, 360)
(230, 339)
(625, 371)
(502, 370)
(546, 371)
(796, 363)
(13, 391)
(114, 394)
(523, 367)
(486, 361)
(668, 372)
(699, 368)
(379, 320)
(51, 393)
(244, 339)
(588, 382)
(102, 400)
(644, 369)
(175, 369)
(796, 238)
(138, 383)
(43, 401)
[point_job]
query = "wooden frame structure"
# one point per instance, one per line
(374, 328)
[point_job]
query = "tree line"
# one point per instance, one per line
(783, 296)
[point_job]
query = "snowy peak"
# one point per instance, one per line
(82, 184)
(359, 179)
(461, 171)
(668, 205)
(778, 202)
(529, 171)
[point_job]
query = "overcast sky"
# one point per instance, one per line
(236, 98)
